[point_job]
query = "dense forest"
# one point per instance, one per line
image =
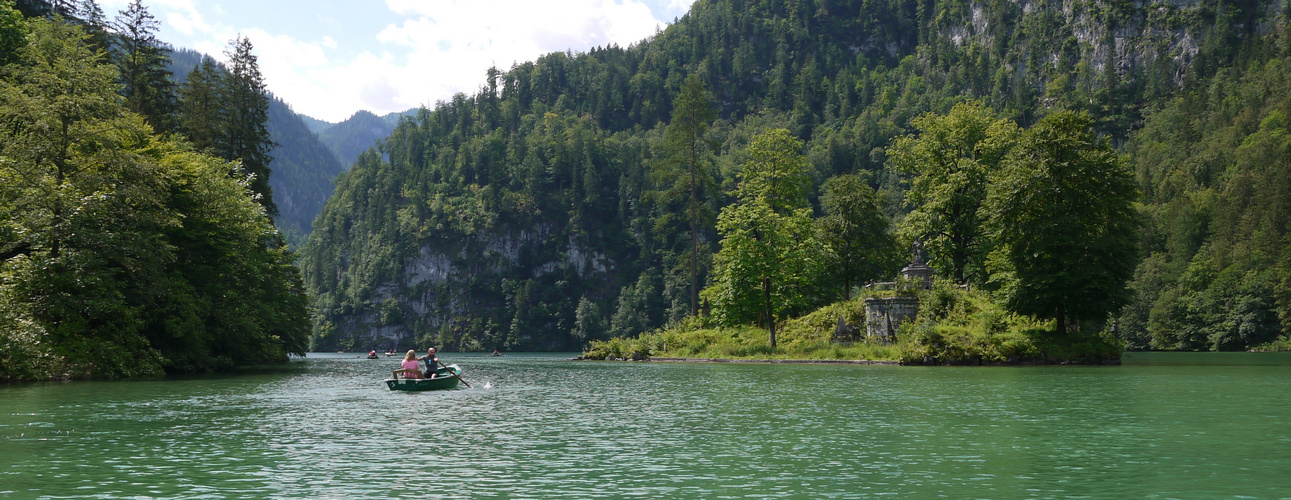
(136, 224)
(562, 202)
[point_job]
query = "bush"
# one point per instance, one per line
(954, 327)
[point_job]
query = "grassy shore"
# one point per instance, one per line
(954, 327)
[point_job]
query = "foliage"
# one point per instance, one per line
(770, 262)
(693, 339)
(958, 326)
(955, 326)
(952, 157)
(12, 32)
(125, 254)
(141, 61)
(856, 233)
(1061, 215)
(1213, 166)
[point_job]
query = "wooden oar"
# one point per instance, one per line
(451, 372)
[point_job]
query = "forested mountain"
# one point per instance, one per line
(542, 211)
(356, 134)
(303, 171)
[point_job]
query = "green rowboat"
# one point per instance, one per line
(444, 379)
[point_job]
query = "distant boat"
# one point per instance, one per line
(443, 380)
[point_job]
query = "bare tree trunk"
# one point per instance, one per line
(766, 298)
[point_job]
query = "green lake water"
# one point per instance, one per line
(1162, 425)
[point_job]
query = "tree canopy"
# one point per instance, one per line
(125, 253)
(1062, 214)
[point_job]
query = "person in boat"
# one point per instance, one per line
(496, 353)
(431, 360)
(410, 366)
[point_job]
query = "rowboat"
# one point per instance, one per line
(443, 380)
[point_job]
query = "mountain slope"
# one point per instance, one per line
(354, 135)
(486, 222)
(303, 171)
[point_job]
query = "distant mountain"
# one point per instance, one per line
(355, 135)
(182, 61)
(315, 125)
(303, 170)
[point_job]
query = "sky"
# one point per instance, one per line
(331, 58)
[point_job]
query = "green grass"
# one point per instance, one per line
(954, 327)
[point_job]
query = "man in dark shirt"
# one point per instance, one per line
(431, 360)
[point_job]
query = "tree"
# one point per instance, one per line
(588, 322)
(951, 158)
(686, 166)
(246, 131)
(13, 33)
(770, 260)
(145, 82)
(202, 110)
(1061, 213)
(125, 253)
(856, 231)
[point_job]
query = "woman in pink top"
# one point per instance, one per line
(410, 365)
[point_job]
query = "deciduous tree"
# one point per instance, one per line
(951, 157)
(1061, 212)
(856, 231)
(770, 261)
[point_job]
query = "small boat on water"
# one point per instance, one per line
(444, 379)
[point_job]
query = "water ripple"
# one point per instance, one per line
(549, 428)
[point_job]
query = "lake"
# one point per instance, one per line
(1162, 425)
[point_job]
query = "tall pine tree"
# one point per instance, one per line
(139, 56)
(686, 168)
(247, 133)
(201, 111)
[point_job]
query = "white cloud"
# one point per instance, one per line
(188, 23)
(450, 44)
(427, 51)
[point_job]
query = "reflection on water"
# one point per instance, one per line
(1161, 425)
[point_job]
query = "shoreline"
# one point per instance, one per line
(780, 361)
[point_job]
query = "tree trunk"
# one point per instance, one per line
(766, 299)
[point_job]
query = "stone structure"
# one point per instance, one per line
(884, 315)
(917, 271)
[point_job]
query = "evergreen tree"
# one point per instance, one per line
(94, 22)
(141, 60)
(686, 167)
(246, 134)
(202, 108)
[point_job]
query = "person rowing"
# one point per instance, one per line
(431, 360)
